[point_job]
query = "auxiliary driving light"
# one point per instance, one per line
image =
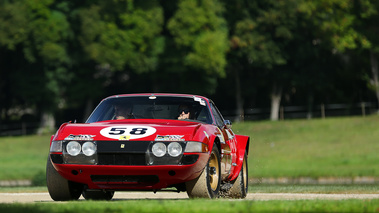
(89, 148)
(174, 149)
(73, 148)
(159, 149)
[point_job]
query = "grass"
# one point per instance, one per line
(26, 189)
(339, 147)
(200, 205)
(217, 205)
(315, 189)
(23, 157)
(257, 188)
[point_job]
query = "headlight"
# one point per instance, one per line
(89, 148)
(73, 148)
(56, 146)
(196, 147)
(174, 149)
(159, 149)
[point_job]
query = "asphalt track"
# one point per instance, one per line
(119, 196)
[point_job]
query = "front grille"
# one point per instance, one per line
(126, 179)
(122, 146)
(128, 153)
(127, 159)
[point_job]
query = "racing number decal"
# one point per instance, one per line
(121, 131)
(138, 131)
(128, 131)
(117, 131)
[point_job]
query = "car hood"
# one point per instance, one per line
(138, 130)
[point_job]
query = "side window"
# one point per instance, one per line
(217, 115)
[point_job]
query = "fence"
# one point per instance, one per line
(22, 128)
(302, 112)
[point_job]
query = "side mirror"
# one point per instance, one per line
(228, 124)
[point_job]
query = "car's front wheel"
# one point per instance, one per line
(207, 185)
(59, 188)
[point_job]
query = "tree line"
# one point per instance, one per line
(58, 58)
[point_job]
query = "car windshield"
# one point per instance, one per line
(152, 107)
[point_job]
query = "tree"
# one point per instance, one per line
(367, 14)
(276, 52)
(290, 44)
(35, 36)
(65, 47)
(114, 40)
(345, 28)
(200, 39)
(261, 34)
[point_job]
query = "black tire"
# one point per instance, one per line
(97, 195)
(61, 189)
(207, 185)
(240, 186)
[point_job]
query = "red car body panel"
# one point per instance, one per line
(232, 148)
(181, 173)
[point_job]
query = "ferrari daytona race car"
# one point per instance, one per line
(148, 142)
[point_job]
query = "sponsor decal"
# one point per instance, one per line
(124, 138)
(127, 132)
(200, 100)
(80, 137)
(169, 138)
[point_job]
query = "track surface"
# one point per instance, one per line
(119, 196)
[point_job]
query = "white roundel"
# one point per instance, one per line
(127, 132)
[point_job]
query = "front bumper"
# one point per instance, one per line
(131, 177)
(128, 165)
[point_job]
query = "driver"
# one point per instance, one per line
(184, 112)
(123, 111)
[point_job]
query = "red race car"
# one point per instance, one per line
(148, 142)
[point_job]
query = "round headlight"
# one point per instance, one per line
(159, 149)
(174, 149)
(73, 148)
(89, 148)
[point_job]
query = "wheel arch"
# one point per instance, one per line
(243, 146)
(216, 142)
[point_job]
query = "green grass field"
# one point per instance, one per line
(217, 205)
(202, 205)
(257, 188)
(23, 157)
(341, 147)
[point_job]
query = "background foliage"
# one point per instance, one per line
(58, 58)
